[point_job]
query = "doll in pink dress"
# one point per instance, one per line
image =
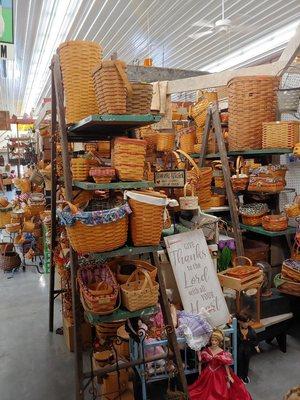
(217, 381)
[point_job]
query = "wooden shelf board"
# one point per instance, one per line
(259, 229)
(126, 251)
(113, 185)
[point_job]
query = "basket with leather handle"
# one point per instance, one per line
(112, 86)
(139, 293)
(239, 181)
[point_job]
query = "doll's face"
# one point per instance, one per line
(244, 325)
(214, 342)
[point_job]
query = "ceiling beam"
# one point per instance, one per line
(221, 78)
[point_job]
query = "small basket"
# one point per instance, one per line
(140, 100)
(9, 260)
(291, 270)
(280, 134)
(165, 141)
(102, 174)
(252, 213)
(5, 215)
(36, 207)
(275, 222)
(270, 171)
(266, 185)
(117, 264)
(217, 200)
(293, 210)
(129, 158)
(138, 294)
(239, 181)
(36, 177)
(188, 202)
(199, 110)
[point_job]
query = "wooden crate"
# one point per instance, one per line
(240, 284)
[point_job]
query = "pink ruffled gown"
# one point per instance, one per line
(212, 383)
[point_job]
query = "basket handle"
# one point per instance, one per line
(73, 208)
(234, 262)
(171, 154)
(190, 160)
(147, 277)
(184, 189)
(239, 165)
(5, 248)
(124, 77)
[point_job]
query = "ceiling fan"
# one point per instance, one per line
(223, 25)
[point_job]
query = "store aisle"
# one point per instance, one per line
(34, 364)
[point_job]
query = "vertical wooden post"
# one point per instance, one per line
(73, 255)
(205, 138)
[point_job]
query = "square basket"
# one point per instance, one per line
(280, 134)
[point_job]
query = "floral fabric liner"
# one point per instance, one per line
(94, 217)
(254, 209)
(267, 168)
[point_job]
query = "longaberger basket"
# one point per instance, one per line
(5, 215)
(97, 228)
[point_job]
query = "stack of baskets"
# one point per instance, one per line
(252, 101)
(111, 87)
(280, 134)
(140, 100)
(129, 158)
(289, 280)
(150, 135)
(78, 59)
(80, 168)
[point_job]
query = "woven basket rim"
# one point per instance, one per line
(79, 42)
(252, 78)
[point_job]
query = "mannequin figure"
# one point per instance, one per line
(247, 343)
(217, 381)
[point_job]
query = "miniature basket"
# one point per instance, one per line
(267, 185)
(239, 181)
(129, 158)
(252, 100)
(138, 294)
(187, 139)
(117, 265)
(111, 86)
(77, 59)
(5, 215)
(102, 174)
(97, 229)
(98, 288)
(140, 100)
(275, 222)
(280, 134)
(252, 213)
(147, 218)
(165, 141)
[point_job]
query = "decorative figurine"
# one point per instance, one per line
(217, 381)
(247, 342)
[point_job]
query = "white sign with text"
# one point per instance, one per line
(196, 277)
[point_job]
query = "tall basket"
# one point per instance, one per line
(252, 101)
(77, 59)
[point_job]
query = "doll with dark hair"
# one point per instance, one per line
(247, 344)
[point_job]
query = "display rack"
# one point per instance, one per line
(89, 129)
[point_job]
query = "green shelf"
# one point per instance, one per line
(126, 251)
(119, 315)
(259, 229)
(95, 127)
(113, 185)
(257, 152)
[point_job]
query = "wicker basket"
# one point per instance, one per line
(252, 213)
(118, 266)
(91, 147)
(104, 148)
(5, 216)
(9, 260)
(287, 286)
(102, 174)
(187, 139)
(36, 207)
(98, 288)
(270, 171)
(146, 220)
(140, 100)
(288, 99)
(293, 210)
(165, 141)
(217, 200)
(129, 158)
(239, 181)
(252, 101)
(13, 227)
(100, 237)
(108, 329)
(274, 222)
(266, 185)
(138, 294)
(199, 110)
(77, 60)
(80, 168)
(280, 134)
(111, 87)
(291, 270)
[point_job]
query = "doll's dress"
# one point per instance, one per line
(212, 382)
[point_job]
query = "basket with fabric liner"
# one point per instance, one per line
(252, 213)
(100, 227)
(77, 59)
(252, 100)
(270, 171)
(280, 134)
(267, 185)
(99, 290)
(129, 158)
(287, 286)
(111, 86)
(140, 100)
(291, 270)
(146, 220)
(274, 223)
(137, 293)
(124, 267)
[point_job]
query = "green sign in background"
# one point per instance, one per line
(7, 14)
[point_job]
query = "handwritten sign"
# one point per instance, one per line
(171, 178)
(196, 276)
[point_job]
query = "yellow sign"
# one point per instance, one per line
(25, 127)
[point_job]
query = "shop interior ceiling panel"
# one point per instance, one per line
(133, 28)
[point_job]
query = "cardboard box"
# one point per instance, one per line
(86, 334)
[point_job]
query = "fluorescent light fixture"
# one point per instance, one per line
(268, 43)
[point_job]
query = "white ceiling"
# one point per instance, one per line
(127, 26)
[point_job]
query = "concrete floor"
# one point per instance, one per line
(36, 365)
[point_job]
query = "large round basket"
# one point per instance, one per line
(252, 101)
